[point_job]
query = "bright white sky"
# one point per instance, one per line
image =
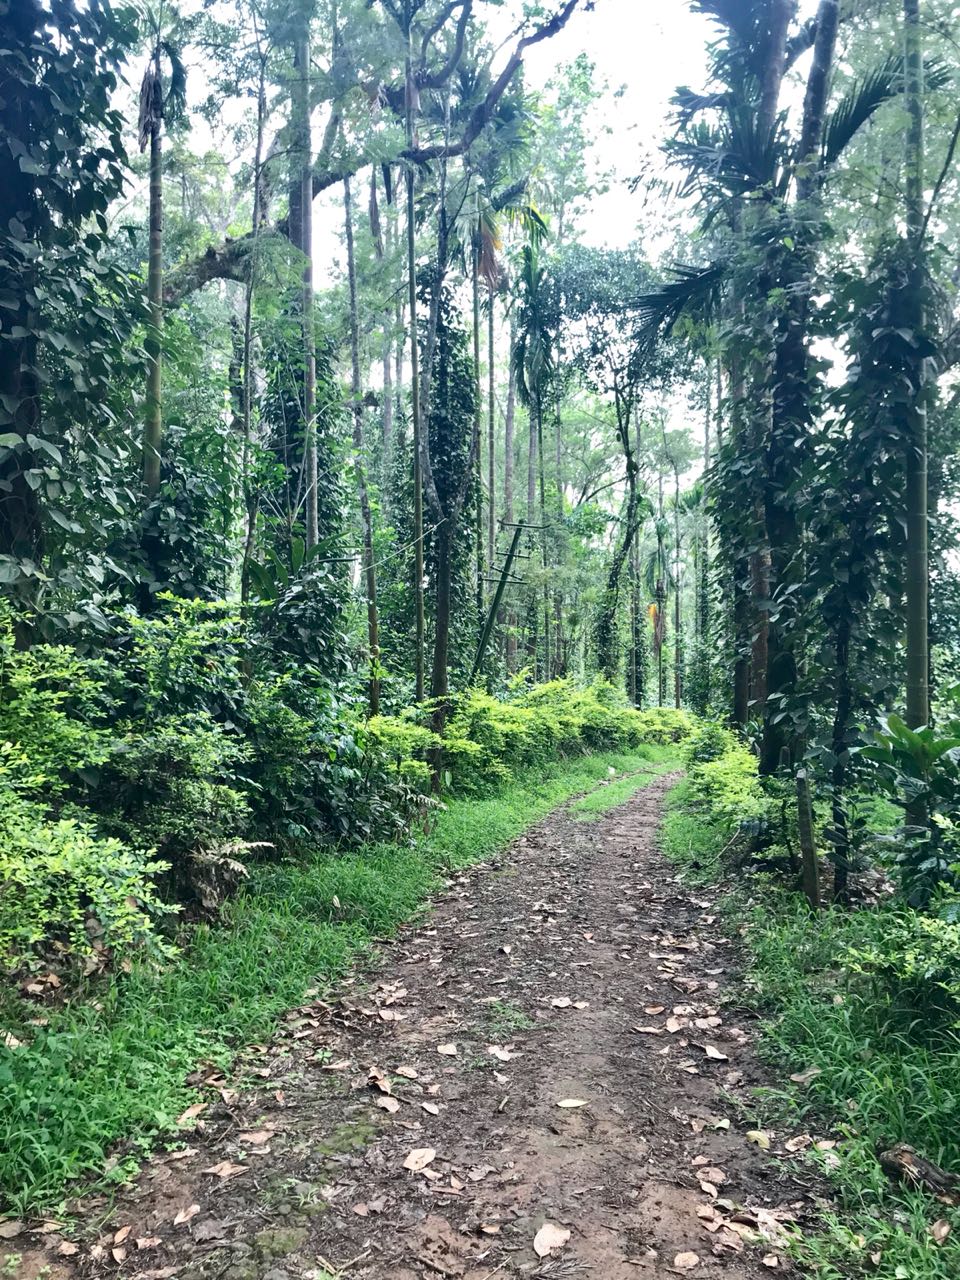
(646, 47)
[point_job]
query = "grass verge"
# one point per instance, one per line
(112, 1062)
(884, 1076)
(618, 791)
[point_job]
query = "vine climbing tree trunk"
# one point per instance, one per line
(153, 344)
(303, 134)
(917, 567)
(356, 390)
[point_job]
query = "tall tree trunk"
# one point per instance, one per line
(412, 99)
(356, 390)
(509, 424)
(793, 409)
(677, 602)
(303, 134)
(477, 426)
(251, 494)
(153, 422)
(439, 684)
(531, 520)
(917, 566)
(491, 436)
(547, 667)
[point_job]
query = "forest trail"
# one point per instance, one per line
(573, 968)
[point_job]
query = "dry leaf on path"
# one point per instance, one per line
(186, 1214)
(419, 1158)
(804, 1077)
(256, 1137)
(759, 1138)
(192, 1112)
(448, 1050)
(770, 1260)
(713, 1052)
(940, 1230)
(562, 1002)
(67, 1248)
(226, 1169)
(431, 1108)
(500, 1052)
(685, 1262)
(548, 1238)
(386, 1103)
(570, 1103)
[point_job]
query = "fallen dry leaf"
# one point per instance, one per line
(804, 1077)
(186, 1214)
(431, 1108)
(570, 1103)
(192, 1112)
(713, 1052)
(562, 1002)
(67, 1248)
(121, 1235)
(226, 1169)
(408, 1073)
(419, 1158)
(500, 1052)
(759, 1138)
(548, 1238)
(448, 1050)
(256, 1137)
(387, 1103)
(148, 1242)
(770, 1260)
(940, 1230)
(684, 1262)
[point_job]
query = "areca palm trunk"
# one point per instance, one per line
(917, 566)
(356, 390)
(491, 425)
(153, 422)
(303, 134)
(509, 422)
(415, 408)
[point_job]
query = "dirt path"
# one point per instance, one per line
(573, 969)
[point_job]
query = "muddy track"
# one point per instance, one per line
(572, 970)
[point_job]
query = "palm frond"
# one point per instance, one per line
(865, 97)
(694, 292)
(175, 99)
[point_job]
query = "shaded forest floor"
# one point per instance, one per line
(548, 1076)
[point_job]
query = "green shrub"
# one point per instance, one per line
(67, 893)
(660, 726)
(53, 708)
(726, 787)
(708, 741)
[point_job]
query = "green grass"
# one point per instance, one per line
(111, 1063)
(592, 806)
(885, 1075)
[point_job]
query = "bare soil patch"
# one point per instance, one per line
(540, 1079)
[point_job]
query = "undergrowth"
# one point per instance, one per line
(880, 1056)
(596, 803)
(111, 1062)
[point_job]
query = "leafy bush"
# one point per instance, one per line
(915, 964)
(708, 741)
(66, 891)
(725, 786)
(53, 706)
(920, 770)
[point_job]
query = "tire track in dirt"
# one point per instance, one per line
(574, 968)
